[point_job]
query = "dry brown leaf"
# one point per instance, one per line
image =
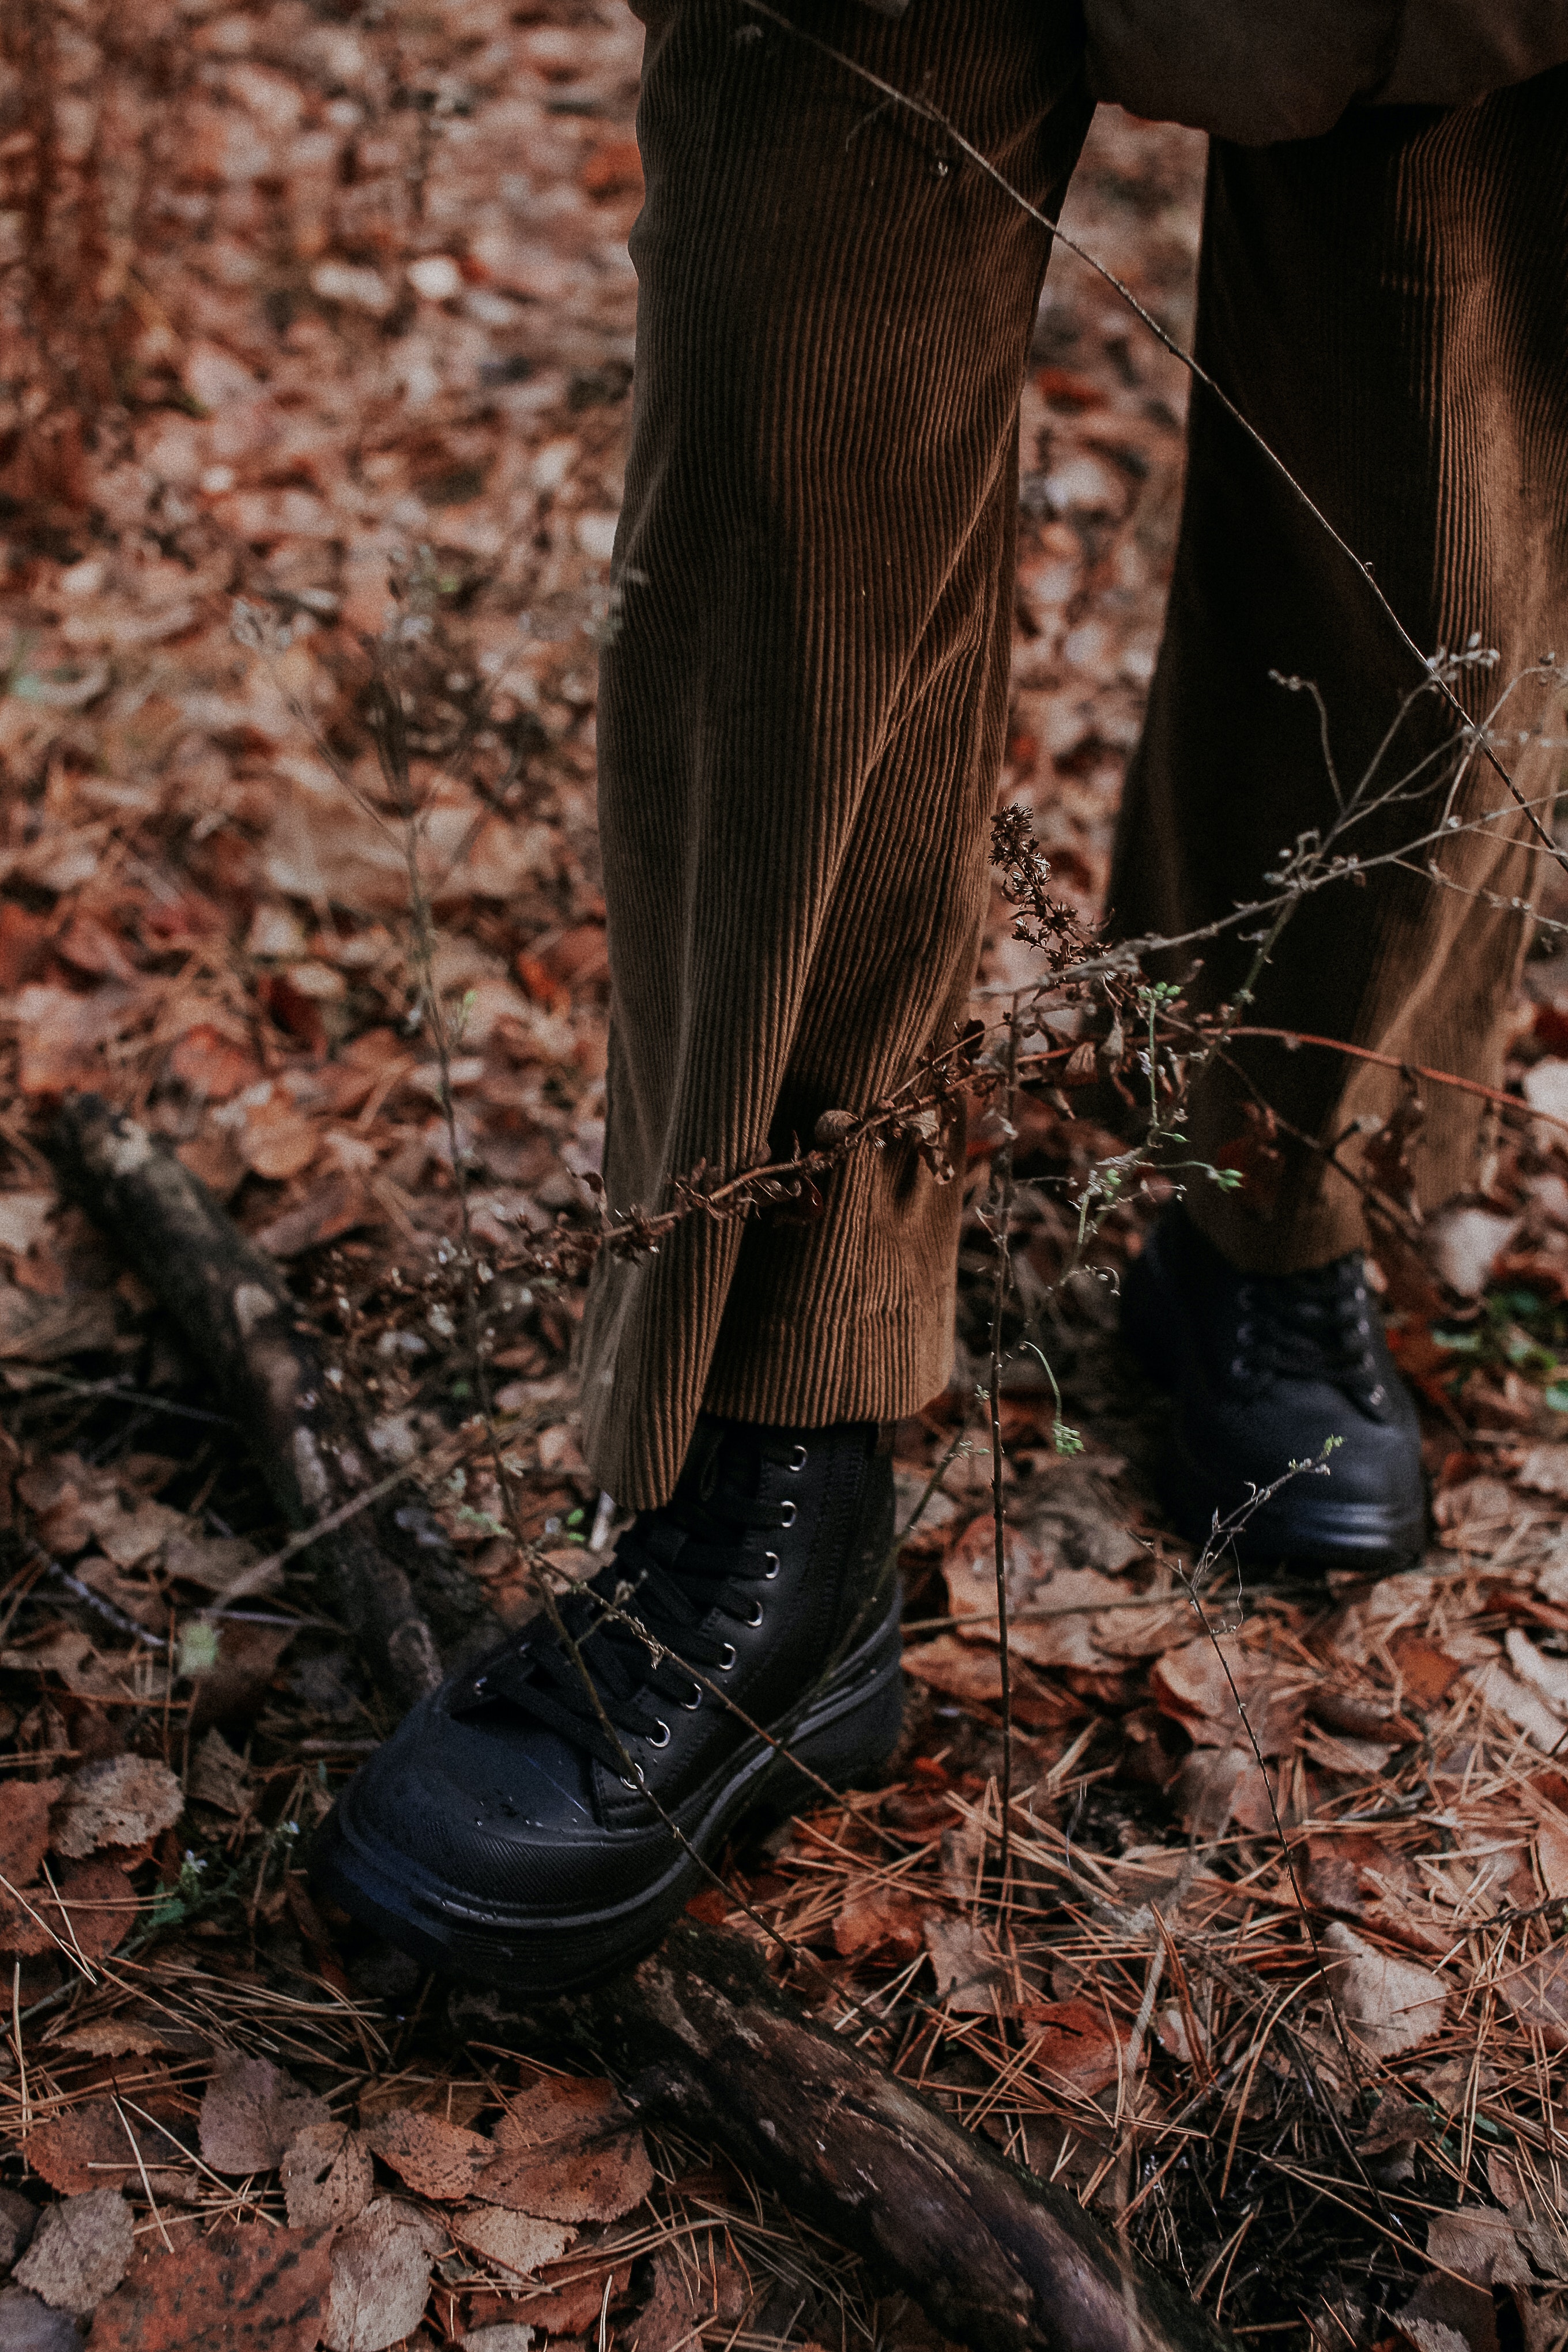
(1391, 2005)
(1191, 1683)
(253, 2289)
(96, 1910)
(67, 2151)
(515, 2243)
(327, 2177)
(251, 2111)
(968, 1969)
(1538, 1995)
(1072, 2041)
(432, 2157)
(18, 2220)
(115, 2037)
(24, 1833)
(80, 2251)
(380, 2276)
(884, 1919)
(683, 2303)
(972, 1674)
(218, 1776)
(567, 2152)
(124, 1800)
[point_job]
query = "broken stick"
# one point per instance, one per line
(245, 1330)
(995, 2257)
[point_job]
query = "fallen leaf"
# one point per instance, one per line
(96, 1909)
(1191, 1683)
(884, 1919)
(1447, 2315)
(1544, 1470)
(124, 1801)
(1481, 2246)
(687, 2299)
(66, 2151)
(380, 2276)
(569, 2152)
(517, 2243)
(1391, 2005)
(1466, 1243)
(28, 2324)
(429, 2154)
(1072, 2041)
(114, 2037)
(251, 2111)
(1538, 1995)
(968, 1969)
(253, 2289)
(80, 2251)
(327, 2177)
(1518, 1703)
(18, 2220)
(24, 1839)
(218, 1776)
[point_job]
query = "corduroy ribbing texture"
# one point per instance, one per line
(802, 708)
(1386, 306)
(804, 695)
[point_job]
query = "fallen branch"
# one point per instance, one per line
(244, 1329)
(996, 2257)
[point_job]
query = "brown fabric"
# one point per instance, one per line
(1385, 305)
(1452, 51)
(804, 695)
(1257, 70)
(1260, 71)
(802, 709)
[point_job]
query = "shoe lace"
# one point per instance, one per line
(675, 1569)
(1314, 1326)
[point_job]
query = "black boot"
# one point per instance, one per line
(1264, 1369)
(504, 1834)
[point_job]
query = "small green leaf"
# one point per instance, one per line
(198, 1647)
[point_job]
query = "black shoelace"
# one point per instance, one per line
(1316, 1326)
(674, 1570)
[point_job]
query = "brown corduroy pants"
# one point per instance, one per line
(804, 698)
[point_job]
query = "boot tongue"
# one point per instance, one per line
(720, 1461)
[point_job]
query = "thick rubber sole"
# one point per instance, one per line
(847, 1732)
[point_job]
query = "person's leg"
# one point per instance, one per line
(801, 720)
(803, 703)
(1385, 305)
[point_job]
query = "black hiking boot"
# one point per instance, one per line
(1263, 1368)
(505, 1834)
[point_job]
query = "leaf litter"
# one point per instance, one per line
(358, 370)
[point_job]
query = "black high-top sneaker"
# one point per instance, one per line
(1264, 1367)
(508, 1831)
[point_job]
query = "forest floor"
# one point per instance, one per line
(317, 356)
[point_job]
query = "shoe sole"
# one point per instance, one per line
(1318, 1532)
(847, 1732)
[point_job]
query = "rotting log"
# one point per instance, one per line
(698, 2033)
(998, 2259)
(400, 1593)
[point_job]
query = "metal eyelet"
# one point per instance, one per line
(792, 1514)
(692, 1705)
(772, 1568)
(755, 1619)
(798, 1458)
(658, 1743)
(727, 1660)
